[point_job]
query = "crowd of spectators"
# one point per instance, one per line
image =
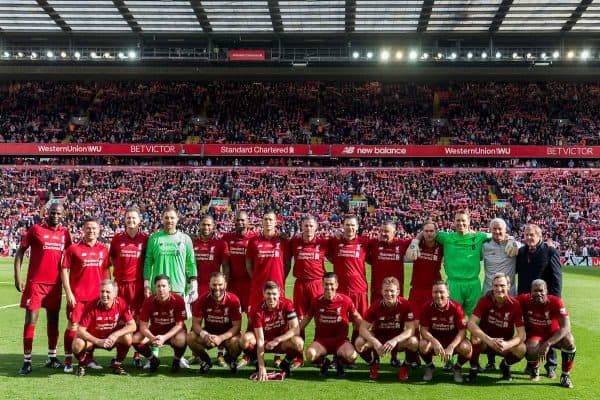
(566, 203)
(552, 113)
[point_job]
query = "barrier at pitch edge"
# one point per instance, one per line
(297, 150)
(580, 261)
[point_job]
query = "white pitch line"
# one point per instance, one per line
(8, 306)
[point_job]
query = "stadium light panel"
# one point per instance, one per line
(355, 55)
(19, 54)
(585, 54)
(555, 55)
(93, 54)
(50, 54)
(33, 55)
(440, 56)
(132, 55)
(385, 55)
(369, 55)
(63, 54)
(425, 56)
(544, 56)
(498, 55)
(399, 55)
(469, 55)
(453, 56)
(77, 55)
(412, 55)
(121, 55)
(570, 54)
(484, 55)
(6, 54)
(107, 55)
(528, 55)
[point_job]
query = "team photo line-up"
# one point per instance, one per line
(161, 280)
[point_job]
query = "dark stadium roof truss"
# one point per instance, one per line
(299, 16)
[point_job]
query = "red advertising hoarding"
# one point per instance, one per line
(98, 149)
(246, 55)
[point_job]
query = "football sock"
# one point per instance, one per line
(427, 358)
(461, 360)
(28, 333)
(122, 350)
(52, 332)
(178, 352)
(69, 337)
(568, 359)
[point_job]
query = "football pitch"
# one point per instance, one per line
(580, 292)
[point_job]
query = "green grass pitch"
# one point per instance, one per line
(581, 288)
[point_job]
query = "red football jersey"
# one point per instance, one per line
(443, 323)
(210, 255)
(542, 319)
(163, 316)
(269, 257)
(499, 321)
(101, 321)
(389, 321)
(47, 247)
(387, 259)
(426, 268)
(88, 266)
(128, 255)
(217, 315)
(237, 246)
(273, 322)
(309, 258)
(332, 317)
(348, 258)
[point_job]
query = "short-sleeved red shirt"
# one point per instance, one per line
(88, 266)
(426, 268)
(348, 258)
(237, 245)
(542, 319)
(47, 247)
(210, 255)
(128, 255)
(309, 258)
(269, 257)
(387, 259)
(101, 321)
(499, 321)
(332, 317)
(273, 322)
(218, 316)
(445, 322)
(162, 316)
(389, 321)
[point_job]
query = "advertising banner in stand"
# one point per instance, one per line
(98, 149)
(246, 55)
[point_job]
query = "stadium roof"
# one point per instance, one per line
(299, 16)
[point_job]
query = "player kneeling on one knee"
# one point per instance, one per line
(443, 328)
(162, 323)
(106, 323)
(222, 315)
(332, 312)
(493, 324)
(547, 325)
(389, 325)
(275, 330)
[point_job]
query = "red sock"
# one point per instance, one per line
(70, 336)
(475, 355)
(136, 355)
(28, 333)
(52, 332)
(292, 354)
(568, 359)
(251, 352)
(81, 358)
(122, 350)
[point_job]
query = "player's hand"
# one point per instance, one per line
(448, 352)
(378, 347)
(543, 351)
(512, 248)
(389, 346)
(262, 374)
(110, 341)
(497, 344)
(71, 300)
(19, 285)
(158, 341)
(413, 252)
(147, 292)
(272, 344)
(438, 349)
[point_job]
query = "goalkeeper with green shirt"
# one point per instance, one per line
(462, 260)
(170, 252)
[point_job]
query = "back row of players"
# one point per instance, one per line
(156, 276)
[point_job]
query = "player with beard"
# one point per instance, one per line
(47, 241)
(211, 253)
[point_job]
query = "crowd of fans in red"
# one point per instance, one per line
(565, 202)
(553, 113)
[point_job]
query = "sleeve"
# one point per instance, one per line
(522, 298)
(442, 237)
(251, 249)
(424, 319)
(27, 238)
(558, 308)
(106, 260)
(518, 315)
(481, 307)
(351, 306)
(410, 315)
(145, 312)
(198, 308)
(125, 314)
(67, 259)
(371, 315)
(257, 320)
(190, 259)
(285, 246)
(404, 243)
(290, 311)
(483, 236)
(461, 319)
(68, 240)
(224, 251)
(112, 251)
(555, 274)
(149, 258)
(88, 314)
(180, 314)
(236, 309)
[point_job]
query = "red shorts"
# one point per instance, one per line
(37, 295)
(74, 314)
(133, 294)
(360, 302)
(417, 298)
(332, 345)
(540, 339)
(304, 293)
(162, 330)
(241, 288)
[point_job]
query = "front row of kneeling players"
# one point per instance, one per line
(511, 327)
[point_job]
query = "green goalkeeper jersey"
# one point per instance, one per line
(462, 254)
(171, 255)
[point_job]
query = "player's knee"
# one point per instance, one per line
(297, 343)
(464, 348)
(360, 344)
(126, 339)
(311, 354)
(412, 343)
(247, 340)
(78, 345)
(424, 346)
